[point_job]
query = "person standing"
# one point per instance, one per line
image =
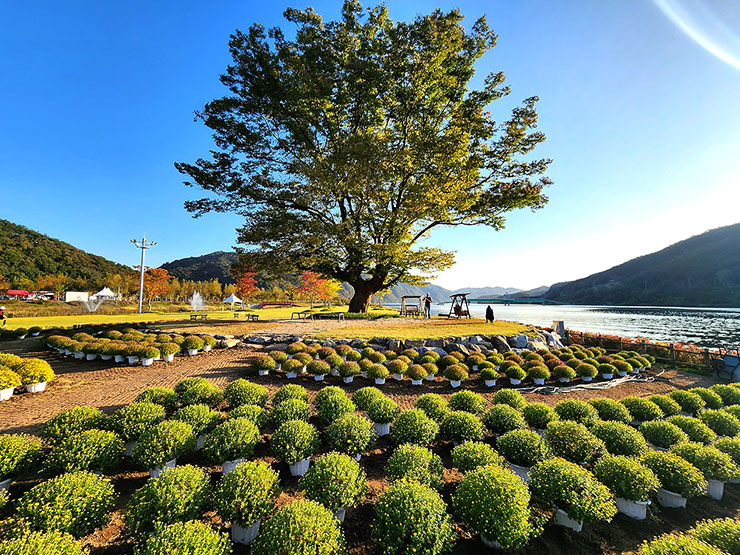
(428, 306)
(489, 315)
(2, 315)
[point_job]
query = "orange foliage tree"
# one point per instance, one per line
(156, 284)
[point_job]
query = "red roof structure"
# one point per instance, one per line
(19, 293)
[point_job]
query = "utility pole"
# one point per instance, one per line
(143, 246)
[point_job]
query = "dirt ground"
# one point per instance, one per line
(109, 387)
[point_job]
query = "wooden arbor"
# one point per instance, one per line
(459, 308)
(412, 308)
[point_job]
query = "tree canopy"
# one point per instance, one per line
(345, 146)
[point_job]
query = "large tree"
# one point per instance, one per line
(344, 147)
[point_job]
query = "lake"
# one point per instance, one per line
(700, 326)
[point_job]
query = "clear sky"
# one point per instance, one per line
(640, 100)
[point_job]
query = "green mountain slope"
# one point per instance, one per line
(703, 270)
(204, 268)
(25, 253)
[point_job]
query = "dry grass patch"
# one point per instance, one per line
(426, 329)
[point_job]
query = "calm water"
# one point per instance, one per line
(703, 327)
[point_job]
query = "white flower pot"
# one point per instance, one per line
(475, 368)
(263, 372)
(364, 374)
(119, 358)
(158, 357)
(67, 352)
(106, 357)
(206, 348)
(132, 360)
(300, 468)
(36, 387)
(245, 535)
(493, 544)
(192, 352)
(586, 378)
(91, 356)
(538, 381)
(621, 373)
(415, 382)
(5, 484)
(128, 448)
(379, 381)
(716, 489)
(671, 499)
(147, 361)
(633, 509)
(169, 358)
(455, 383)
(79, 354)
(319, 377)
(562, 519)
(35, 334)
(228, 466)
(292, 374)
(607, 376)
(655, 447)
(636, 423)
(334, 372)
(200, 442)
(358, 456)
(348, 379)
(430, 377)
(564, 380)
(157, 470)
(382, 429)
(6, 394)
(521, 471)
(340, 513)
(684, 413)
(490, 383)
(398, 377)
(514, 381)
(21, 336)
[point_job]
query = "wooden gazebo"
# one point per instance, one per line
(411, 305)
(459, 307)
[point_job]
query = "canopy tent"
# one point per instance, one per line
(232, 299)
(104, 294)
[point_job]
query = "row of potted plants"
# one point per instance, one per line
(32, 373)
(20, 333)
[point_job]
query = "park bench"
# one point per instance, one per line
(328, 315)
(195, 317)
(301, 315)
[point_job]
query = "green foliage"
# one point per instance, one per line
(667, 405)
(264, 363)
(711, 399)
(563, 372)
(619, 438)
(193, 538)
(348, 369)
(694, 428)
(378, 372)
(677, 544)
(577, 411)
(503, 418)
(331, 407)
(429, 531)
(495, 503)
(434, 405)
(467, 401)
(334, 480)
(662, 434)
(75, 503)
(414, 426)
(178, 494)
(294, 441)
(538, 415)
(573, 442)
(252, 412)
(722, 533)
(690, 402)
(291, 409)
(192, 343)
(523, 447)
(202, 418)
(166, 441)
(134, 419)
(163, 396)
(642, 409)
(713, 463)
(470, 455)
(72, 421)
(731, 446)
(196, 391)
(234, 439)
(509, 397)
(460, 426)
(675, 473)
(626, 477)
(318, 367)
(243, 392)
(364, 397)
(42, 543)
(722, 423)
(456, 372)
(729, 395)
(383, 411)
(18, 453)
(247, 493)
(94, 450)
(573, 489)
(351, 434)
(8, 378)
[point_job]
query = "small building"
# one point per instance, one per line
(19, 294)
(79, 296)
(104, 294)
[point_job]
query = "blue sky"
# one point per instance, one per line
(643, 125)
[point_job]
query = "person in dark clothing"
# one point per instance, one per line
(489, 314)
(428, 306)
(2, 315)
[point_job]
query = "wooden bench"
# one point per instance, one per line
(251, 317)
(328, 315)
(195, 317)
(301, 315)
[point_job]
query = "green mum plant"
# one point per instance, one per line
(563, 372)
(460, 426)
(675, 473)
(434, 405)
(192, 537)
(470, 455)
(729, 445)
(331, 407)
(626, 477)
(677, 544)
(8, 378)
(166, 441)
(296, 347)
(72, 421)
(694, 428)
(467, 401)
(289, 391)
(243, 392)
(334, 480)
(720, 422)
(690, 403)
(711, 462)
(722, 533)
(291, 409)
(94, 450)
(538, 415)
(509, 397)
(711, 399)
(383, 411)
(662, 434)
(351, 434)
(247, 493)
(365, 396)
(318, 368)
(163, 396)
(378, 372)
(294, 441)
(348, 369)
(201, 418)
(34, 370)
(36, 543)
(729, 395)
(642, 409)
(414, 426)
(666, 404)
(198, 391)
(523, 448)
(234, 439)
(18, 453)
(456, 372)
(619, 438)
(573, 442)
(252, 412)
(134, 419)
(192, 343)
(577, 411)
(503, 418)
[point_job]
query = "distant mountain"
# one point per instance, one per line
(703, 270)
(536, 292)
(25, 253)
(204, 268)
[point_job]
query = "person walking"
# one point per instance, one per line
(428, 306)
(2, 315)
(489, 315)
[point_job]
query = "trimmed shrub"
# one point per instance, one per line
(334, 480)
(72, 421)
(677, 544)
(675, 473)
(256, 414)
(364, 397)
(690, 402)
(573, 442)
(303, 358)
(563, 371)
(163, 396)
(198, 391)
(192, 343)
(193, 537)
(378, 372)
(416, 372)
(577, 411)
(734, 410)
(538, 372)
(414, 426)
(351, 434)
(495, 503)
(585, 370)
(133, 420)
(8, 378)
(538, 415)
(94, 450)
(470, 455)
(18, 453)
(456, 372)
(234, 439)
(34, 370)
(722, 533)
(509, 397)
(434, 405)
(348, 369)
(180, 493)
(278, 356)
(609, 409)
(713, 463)
(296, 347)
(620, 438)
(42, 543)
(513, 371)
(668, 406)
(247, 493)
(729, 445)
(243, 392)
(662, 434)
(467, 401)
(415, 463)
(166, 441)
(293, 365)
(331, 407)
(289, 391)
(573, 489)
(711, 399)
(460, 426)
(523, 447)
(376, 357)
(264, 363)
(503, 418)
(383, 411)
(294, 441)
(694, 428)
(729, 395)
(626, 477)
(202, 418)
(318, 367)
(301, 527)
(75, 503)
(641, 409)
(720, 422)
(430, 530)
(292, 409)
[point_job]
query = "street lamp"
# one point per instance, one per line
(143, 246)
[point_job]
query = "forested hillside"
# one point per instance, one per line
(204, 268)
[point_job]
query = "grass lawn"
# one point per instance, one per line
(426, 329)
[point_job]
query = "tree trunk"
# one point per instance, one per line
(364, 292)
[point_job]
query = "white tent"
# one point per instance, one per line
(232, 299)
(104, 294)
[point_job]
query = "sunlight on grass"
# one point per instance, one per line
(427, 329)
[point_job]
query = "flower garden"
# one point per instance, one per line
(502, 469)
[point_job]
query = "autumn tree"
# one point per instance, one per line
(156, 284)
(246, 284)
(346, 146)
